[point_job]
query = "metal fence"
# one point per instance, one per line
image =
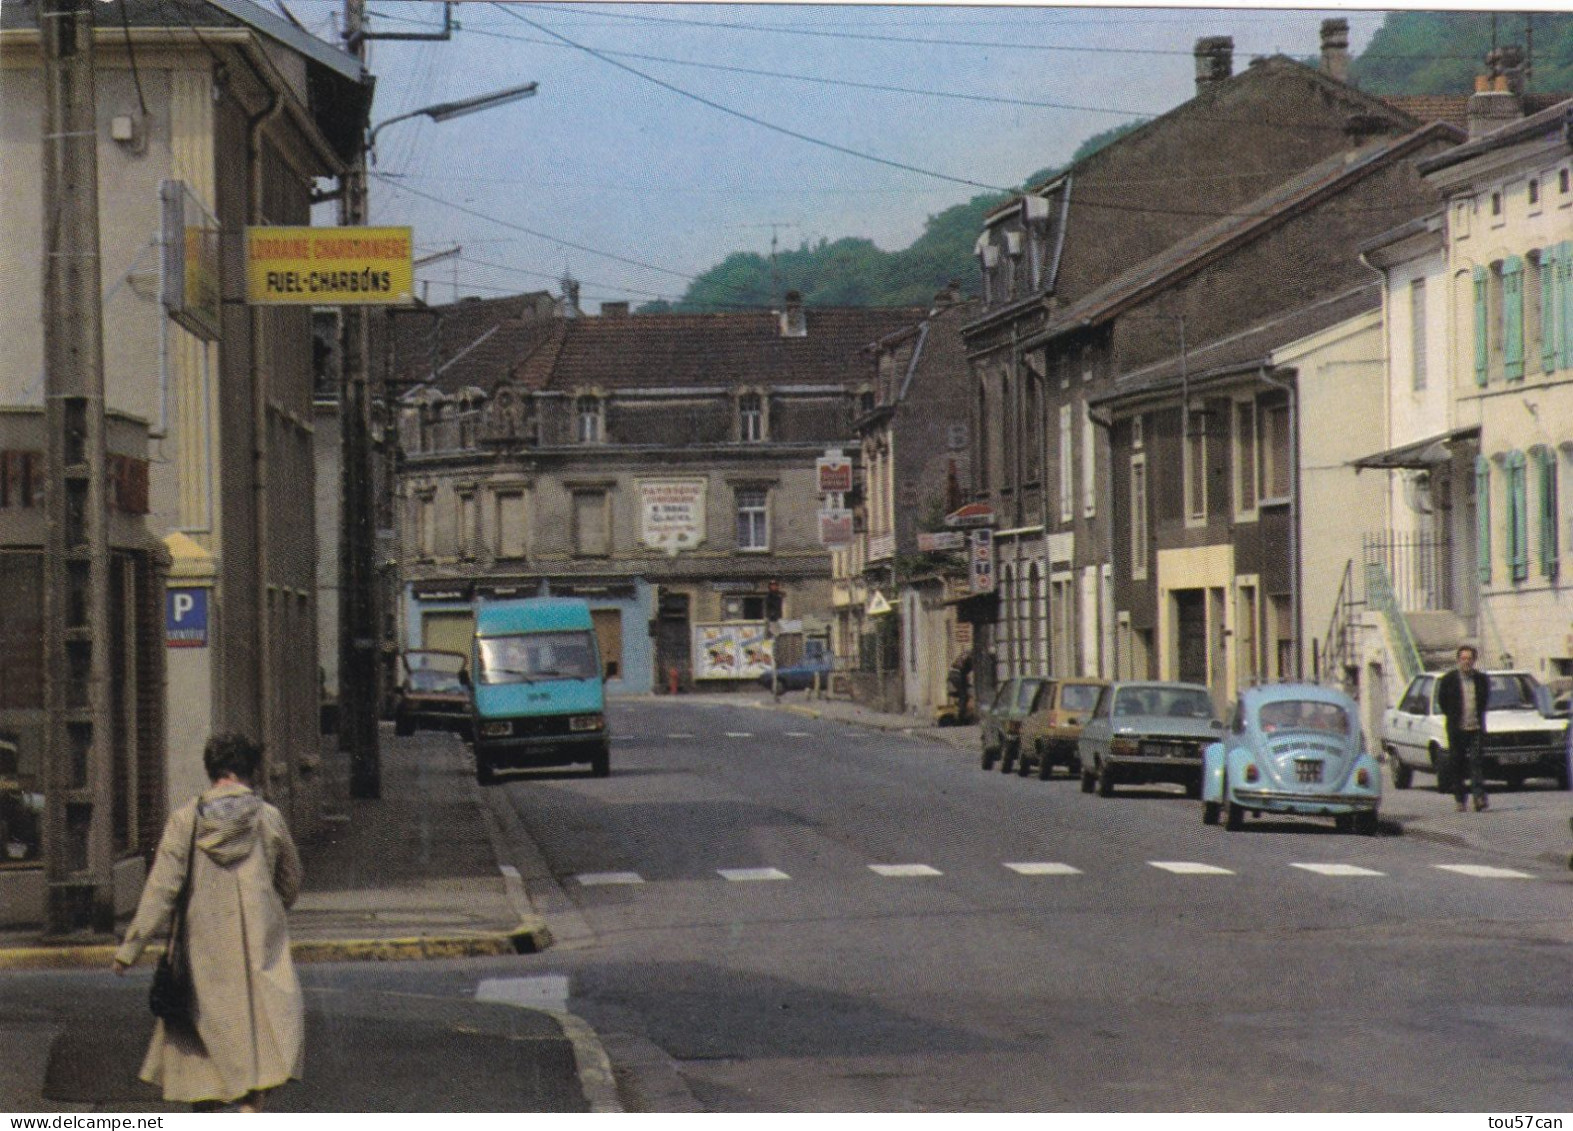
(1419, 567)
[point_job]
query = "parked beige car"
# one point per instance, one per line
(1049, 734)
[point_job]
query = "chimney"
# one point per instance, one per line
(1335, 48)
(568, 305)
(614, 310)
(1496, 101)
(1214, 60)
(793, 323)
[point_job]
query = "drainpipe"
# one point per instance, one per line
(1294, 511)
(1105, 424)
(255, 125)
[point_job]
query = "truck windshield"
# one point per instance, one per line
(532, 656)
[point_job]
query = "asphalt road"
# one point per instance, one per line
(764, 912)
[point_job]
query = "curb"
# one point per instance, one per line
(596, 1077)
(530, 937)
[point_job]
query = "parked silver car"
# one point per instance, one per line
(1147, 732)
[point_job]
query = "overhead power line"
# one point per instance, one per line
(821, 142)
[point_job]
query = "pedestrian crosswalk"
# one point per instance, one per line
(1040, 868)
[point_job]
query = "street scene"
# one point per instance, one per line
(676, 558)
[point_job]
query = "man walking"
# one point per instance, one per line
(1462, 695)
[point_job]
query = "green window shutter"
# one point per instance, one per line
(1565, 294)
(1513, 318)
(1482, 321)
(1550, 307)
(1550, 550)
(1483, 518)
(1517, 517)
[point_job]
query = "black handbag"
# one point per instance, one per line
(173, 997)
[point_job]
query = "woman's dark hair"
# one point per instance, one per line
(231, 754)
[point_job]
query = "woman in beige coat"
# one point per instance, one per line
(249, 1017)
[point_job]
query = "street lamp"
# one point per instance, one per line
(444, 111)
(359, 625)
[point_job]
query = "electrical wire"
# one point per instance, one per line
(593, 53)
(136, 74)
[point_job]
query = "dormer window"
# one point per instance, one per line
(750, 418)
(588, 412)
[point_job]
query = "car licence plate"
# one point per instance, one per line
(1166, 749)
(1308, 771)
(1516, 757)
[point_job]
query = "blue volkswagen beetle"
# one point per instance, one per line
(1292, 748)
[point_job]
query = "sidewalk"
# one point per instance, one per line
(1529, 825)
(413, 875)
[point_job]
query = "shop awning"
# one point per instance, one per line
(1420, 454)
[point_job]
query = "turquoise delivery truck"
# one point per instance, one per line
(537, 694)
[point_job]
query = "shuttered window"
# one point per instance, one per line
(1550, 548)
(1565, 301)
(1513, 318)
(1483, 518)
(1482, 324)
(1550, 308)
(1517, 516)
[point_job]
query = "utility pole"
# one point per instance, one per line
(359, 683)
(77, 844)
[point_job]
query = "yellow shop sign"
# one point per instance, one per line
(329, 266)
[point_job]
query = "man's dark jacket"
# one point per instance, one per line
(1450, 697)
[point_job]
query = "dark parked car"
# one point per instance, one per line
(999, 720)
(801, 675)
(1147, 732)
(433, 693)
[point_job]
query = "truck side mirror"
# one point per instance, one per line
(464, 677)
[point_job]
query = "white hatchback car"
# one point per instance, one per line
(1522, 739)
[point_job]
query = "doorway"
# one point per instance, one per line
(673, 643)
(1190, 618)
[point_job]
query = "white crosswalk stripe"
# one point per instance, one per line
(798, 734)
(1337, 870)
(1044, 868)
(745, 875)
(899, 871)
(1485, 871)
(679, 736)
(1187, 868)
(605, 879)
(738, 734)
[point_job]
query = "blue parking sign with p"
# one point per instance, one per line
(186, 618)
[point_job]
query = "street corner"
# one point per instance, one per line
(62, 956)
(531, 936)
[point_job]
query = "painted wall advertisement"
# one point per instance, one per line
(738, 650)
(672, 514)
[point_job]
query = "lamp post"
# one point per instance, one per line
(359, 620)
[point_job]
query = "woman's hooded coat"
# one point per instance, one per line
(249, 1031)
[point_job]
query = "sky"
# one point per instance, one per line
(634, 187)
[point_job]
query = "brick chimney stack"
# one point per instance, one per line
(1214, 60)
(1335, 48)
(793, 323)
(1497, 100)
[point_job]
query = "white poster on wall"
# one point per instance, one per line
(671, 514)
(737, 650)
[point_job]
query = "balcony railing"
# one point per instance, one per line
(1418, 566)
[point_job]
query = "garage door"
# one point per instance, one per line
(448, 632)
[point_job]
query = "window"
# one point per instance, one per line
(1461, 214)
(1195, 466)
(21, 631)
(1246, 635)
(1510, 315)
(1089, 463)
(1548, 265)
(1517, 525)
(1137, 437)
(588, 411)
(1534, 192)
(1482, 321)
(1563, 185)
(753, 518)
(1067, 468)
(1034, 440)
(1496, 204)
(1483, 518)
(467, 520)
(591, 524)
(1417, 335)
(1139, 517)
(1276, 453)
(510, 525)
(751, 418)
(1245, 469)
(1012, 422)
(1550, 548)
(425, 521)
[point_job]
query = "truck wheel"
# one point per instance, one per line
(1105, 781)
(1046, 759)
(1007, 757)
(484, 773)
(601, 764)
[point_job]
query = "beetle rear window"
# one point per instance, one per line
(1303, 714)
